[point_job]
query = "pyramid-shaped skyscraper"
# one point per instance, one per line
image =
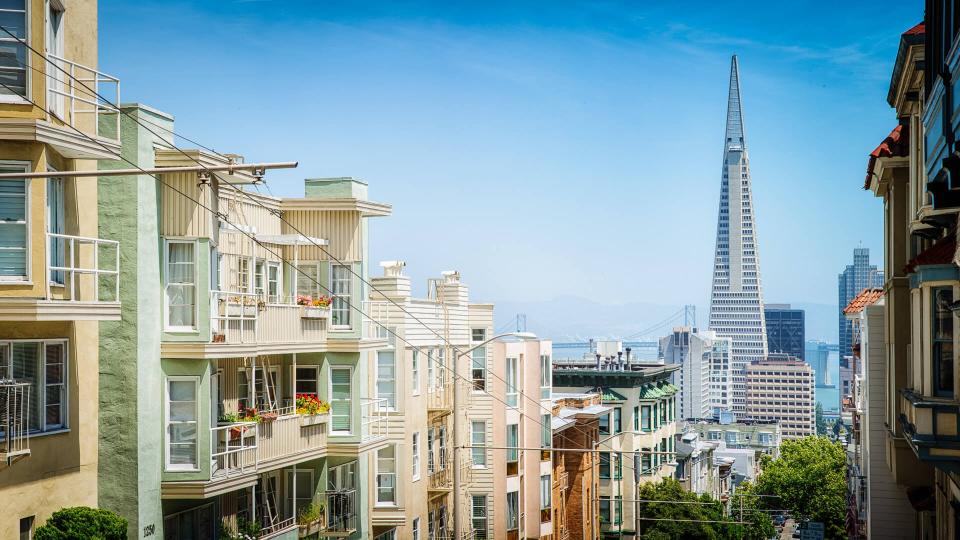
(736, 300)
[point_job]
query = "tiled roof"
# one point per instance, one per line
(609, 394)
(918, 29)
(649, 391)
(941, 252)
(896, 144)
(867, 297)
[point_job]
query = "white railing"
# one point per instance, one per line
(75, 89)
(373, 412)
(270, 529)
(234, 317)
(66, 248)
(233, 449)
(14, 420)
(377, 315)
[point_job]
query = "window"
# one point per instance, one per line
(13, 70)
(442, 447)
(274, 286)
(387, 379)
(388, 535)
(181, 289)
(604, 509)
(300, 490)
(546, 431)
(513, 442)
(387, 475)
(182, 423)
(42, 365)
(431, 361)
(415, 372)
(646, 461)
(14, 213)
(513, 383)
(308, 380)
(478, 334)
(26, 528)
(605, 424)
(513, 510)
(616, 460)
(341, 285)
(618, 509)
(645, 417)
(478, 516)
(942, 342)
(618, 420)
(636, 418)
(308, 279)
(341, 397)
(55, 223)
(415, 529)
(243, 389)
(415, 455)
(546, 377)
(430, 461)
(260, 278)
(243, 275)
(478, 370)
(545, 488)
(604, 465)
(478, 438)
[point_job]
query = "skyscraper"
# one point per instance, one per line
(785, 329)
(736, 300)
(694, 352)
(854, 278)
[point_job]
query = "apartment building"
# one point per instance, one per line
(432, 411)
(698, 470)
(780, 389)
(58, 279)
(739, 446)
(638, 432)
(576, 482)
(704, 376)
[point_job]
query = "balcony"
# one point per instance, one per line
(440, 397)
(340, 512)
(80, 124)
(930, 426)
(254, 319)
(440, 480)
(82, 283)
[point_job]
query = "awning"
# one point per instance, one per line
(291, 240)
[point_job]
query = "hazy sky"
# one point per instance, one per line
(548, 148)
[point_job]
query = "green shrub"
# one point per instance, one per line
(82, 523)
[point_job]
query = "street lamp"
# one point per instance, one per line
(523, 336)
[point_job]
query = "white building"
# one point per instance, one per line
(699, 354)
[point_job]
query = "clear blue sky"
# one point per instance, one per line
(543, 149)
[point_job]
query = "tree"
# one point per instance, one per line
(82, 523)
(700, 517)
(821, 421)
(809, 480)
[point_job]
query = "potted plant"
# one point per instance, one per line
(313, 409)
(246, 414)
(315, 308)
(241, 306)
(311, 519)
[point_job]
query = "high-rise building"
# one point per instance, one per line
(785, 329)
(694, 352)
(736, 301)
(855, 277)
(780, 389)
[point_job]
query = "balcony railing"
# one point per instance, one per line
(14, 420)
(65, 267)
(287, 436)
(255, 318)
(374, 418)
(72, 95)
(271, 529)
(341, 511)
(377, 314)
(233, 449)
(930, 423)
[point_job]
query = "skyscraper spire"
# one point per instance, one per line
(736, 301)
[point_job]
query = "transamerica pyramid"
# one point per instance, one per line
(736, 300)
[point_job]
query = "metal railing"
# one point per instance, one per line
(75, 90)
(341, 511)
(269, 529)
(233, 449)
(66, 248)
(14, 420)
(373, 412)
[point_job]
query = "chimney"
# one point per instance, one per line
(450, 290)
(599, 364)
(393, 283)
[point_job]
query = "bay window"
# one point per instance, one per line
(182, 416)
(942, 341)
(181, 285)
(14, 214)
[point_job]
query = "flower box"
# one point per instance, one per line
(311, 528)
(314, 312)
(313, 419)
(235, 310)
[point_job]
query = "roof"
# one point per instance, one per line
(894, 145)
(559, 424)
(941, 252)
(590, 411)
(649, 391)
(918, 29)
(911, 38)
(867, 297)
(609, 394)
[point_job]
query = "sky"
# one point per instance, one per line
(543, 149)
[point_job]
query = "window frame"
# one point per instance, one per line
(936, 344)
(513, 451)
(415, 456)
(513, 521)
(166, 418)
(415, 373)
(332, 368)
(17, 165)
(394, 490)
(278, 282)
(333, 288)
(512, 388)
(389, 407)
(290, 501)
(42, 382)
(546, 376)
(167, 242)
(296, 378)
(474, 451)
(28, 68)
(478, 371)
(485, 518)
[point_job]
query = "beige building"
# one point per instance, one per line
(57, 279)
(781, 389)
